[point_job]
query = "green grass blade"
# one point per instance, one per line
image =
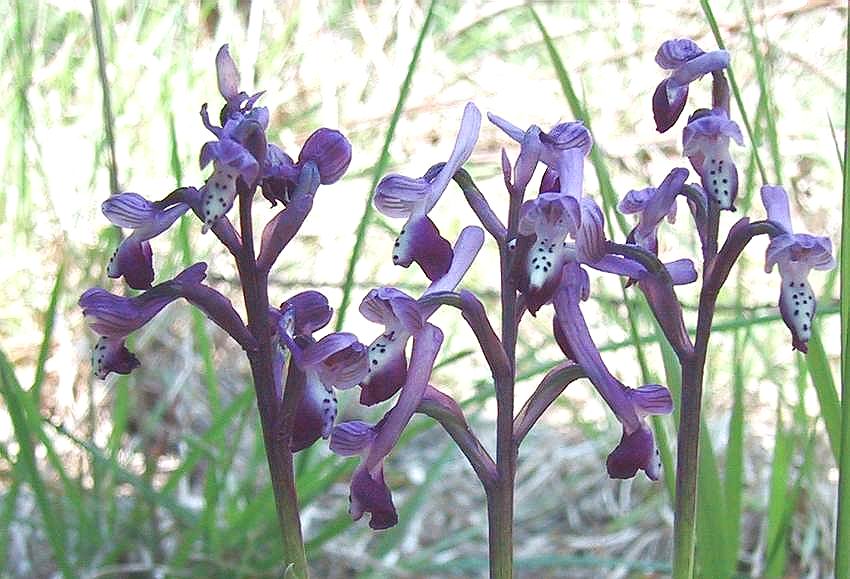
(822, 379)
(733, 481)
(778, 495)
(712, 554)
(379, 169)
(842, 541)
(49, 322)
(53, 526)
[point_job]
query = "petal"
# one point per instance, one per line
(635, 200)
(218, 195)
(511, 130)
(651, 399)
(682, 271)
(719, 176)
(129, 210)
(317, 352)
(134, 261)
(352, 438)
(400, 196)
(674, 53)
(232, 154)
(666, 111)
(111, 355)
(696, 67)
(420, 241)
(387, 369)
(311, 311)
(542, 274)
(590, 240)
(660, 205)
(636, 451)
(228, 75)
(466, 248)
(370, 494)
(345, 368)
(775, 201)
(550, 181)
(316, 411)
(467, 136)
(529, 156)
(331, 152)
(619, 266)
(797, 305)
(426, 345)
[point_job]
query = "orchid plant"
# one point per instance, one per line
(547, 244)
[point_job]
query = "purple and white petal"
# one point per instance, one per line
(420, 241)
(352, 438)
(636, 451)
(311, 311)
(426, 345)
(227, 74)
(775, 201)
(134, 261)
(370, 494)
(111, 355)
(331, 152)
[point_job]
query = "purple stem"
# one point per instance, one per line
(276, 425)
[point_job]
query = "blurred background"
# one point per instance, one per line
(162, 473)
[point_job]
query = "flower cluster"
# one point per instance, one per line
(549, 242)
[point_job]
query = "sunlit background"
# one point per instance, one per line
(163, 473)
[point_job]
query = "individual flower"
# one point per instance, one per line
(562, 150)
(133, 259)
(337, 360)
(637, 450)
(796, 254)
(686, 62)
(413, 198)
(403, 317)
(369, 492)
(327, 148)
(116, 317)
(706, 144)
(652, 205)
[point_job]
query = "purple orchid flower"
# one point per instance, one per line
(796, 254)
(402, 317)
(637, 450)
(687, 63)
(337, 360)
(652, 205)
(327, 148)
(400, 196)
(116, 317)
(706, 144)
(562, 150)
(134, 259)
(369, 492)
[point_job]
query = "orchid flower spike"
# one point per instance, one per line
(687, 63)
(637, 449)
(134, 259)
(652, 205)
(338, 360)
(369, 492)
(796, 254)
(115, 317)
(706, 144)
(400, 196)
